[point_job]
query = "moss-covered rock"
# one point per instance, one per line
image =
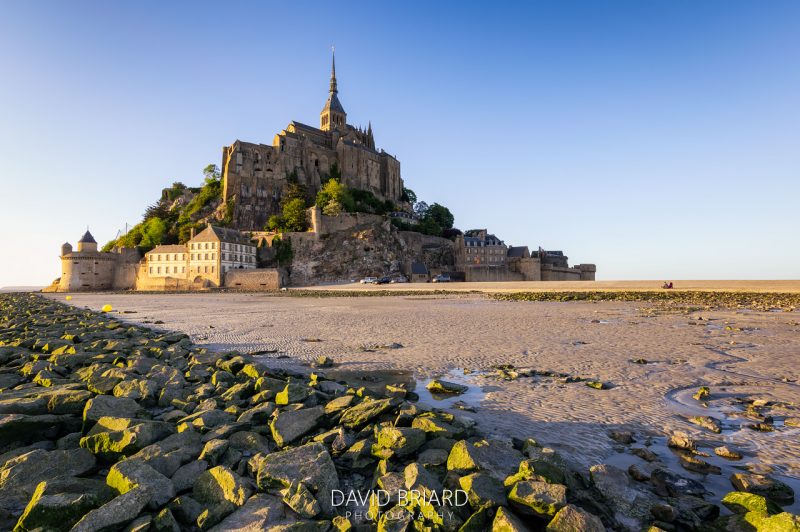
(291, 393)
(20, 476)
(483, 491)
(541, 499)
(702, 393)
(399, 441)
(289, 425)
(506, 521)
(117, 512)
(573, 519)
(435, 426)
(128, 474)
(772, 489)
(299, 498)
(446, 387)
(220, 484)
(357, 416)
(59, 503)
(164, 521)
(494, 457)
(113, 437)
(339, 403)
(310, 464)
(741, 502)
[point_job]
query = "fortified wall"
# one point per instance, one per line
(255, 280)
(581, 272)
(87, 269)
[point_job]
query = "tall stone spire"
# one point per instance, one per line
(370, 138)
(333, 115)
(334, 90)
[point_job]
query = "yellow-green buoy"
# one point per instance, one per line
(106, 308)
(69, 298)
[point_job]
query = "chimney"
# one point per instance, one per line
(191, 233)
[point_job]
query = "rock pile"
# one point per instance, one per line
(108, 426)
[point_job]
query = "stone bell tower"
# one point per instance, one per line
(332, 115)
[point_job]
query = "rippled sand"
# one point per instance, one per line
(737, 354)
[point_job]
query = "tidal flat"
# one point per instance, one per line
(614, 412)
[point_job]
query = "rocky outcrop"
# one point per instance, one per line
(373, 249)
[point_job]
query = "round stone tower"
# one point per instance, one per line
(87, 243)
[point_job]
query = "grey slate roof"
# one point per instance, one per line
(518, 251)
(311, 129)
(418, 268)
(491, 240)
(333, 104)
(87, 238)
(223, 234)
(168, 248)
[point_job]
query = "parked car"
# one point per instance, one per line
(442, 279)
(368, 280)
(400, 279)
(384, 280)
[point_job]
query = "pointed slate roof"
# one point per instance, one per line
(87, 238)
(333, 103)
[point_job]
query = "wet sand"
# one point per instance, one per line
(740, 355)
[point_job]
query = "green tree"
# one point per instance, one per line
(153, 232)
(441, 215)
(428, 226)
(333, 208)
(294, 215)
(283, 251)
(275, 223)
(408, 196)
(365, 201)
(294, 191)
(211, 173)
(334, 191)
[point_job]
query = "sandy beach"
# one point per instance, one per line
(653, 361)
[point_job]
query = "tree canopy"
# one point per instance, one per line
(334, 192)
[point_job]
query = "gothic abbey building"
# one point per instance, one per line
(255, 176)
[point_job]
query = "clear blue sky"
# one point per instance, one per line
(658, 139)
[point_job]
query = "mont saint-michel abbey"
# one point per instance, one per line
(238, 253)
(256, 175)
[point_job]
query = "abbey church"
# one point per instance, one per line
(255, 176)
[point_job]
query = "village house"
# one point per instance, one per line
(484, 249)
(167, 261)
(484, 257)
(214, 251)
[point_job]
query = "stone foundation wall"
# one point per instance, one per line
(555, 273)
(257, 280)
(479, 274)
(165, 284)
(323, 225)
(125, 272)
(588, 271)
(529, 268)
